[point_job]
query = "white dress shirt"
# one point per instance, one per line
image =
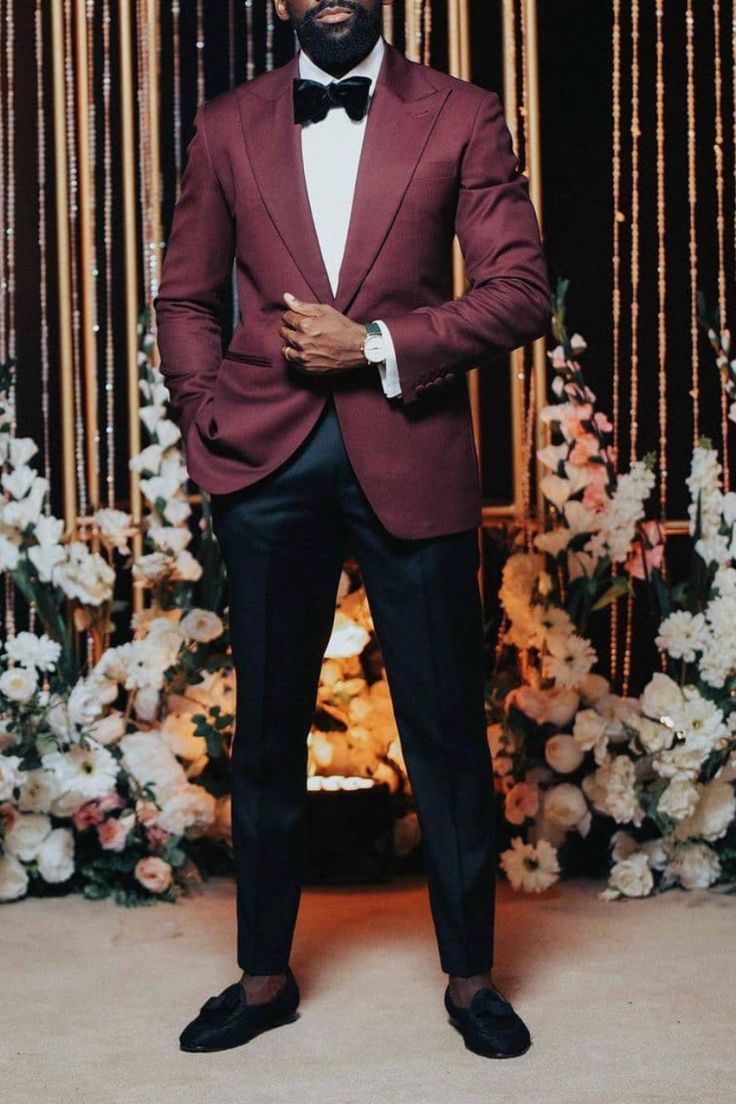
(330, 154)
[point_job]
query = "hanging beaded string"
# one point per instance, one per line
(635, 208)
(692, 195)
(143, 59)
(107, 232)
(201, 92)
(250, 66)
(7, 289)
(269, 37)
(388, 24)
(71, 136)
(720, 224)
(427, 56)
(88, 92)
(618, 219)
(42, 247)
(176, 87)
(661, 265)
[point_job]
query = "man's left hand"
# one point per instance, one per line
(319, 339)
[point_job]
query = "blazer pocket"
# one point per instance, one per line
(440, 169)
(247, 358)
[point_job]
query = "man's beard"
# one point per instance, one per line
(332, 49)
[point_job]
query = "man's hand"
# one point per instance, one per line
(319, 339)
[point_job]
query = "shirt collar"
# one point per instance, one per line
(368, 67)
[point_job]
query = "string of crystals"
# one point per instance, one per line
(269, 37)
(91, 200)
(635, 208)
(618, 219)
(692, 195)
(250, 66)
(720, 223)
(143, 58)
(7, 302)
(107, 232)
(176, 87)
(201, 92)
(42, 246)
(73, 214)
(661, 264)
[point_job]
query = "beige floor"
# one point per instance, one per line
(628, 1002)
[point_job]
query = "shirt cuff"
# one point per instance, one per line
(388, 370)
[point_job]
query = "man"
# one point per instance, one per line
(338, 420)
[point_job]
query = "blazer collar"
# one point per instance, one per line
(405, 104)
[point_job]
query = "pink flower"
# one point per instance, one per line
(154, 874)
(110, 802)
(571, 419)
(113, 832)
(88, 816)
(156, 836)
(146, 811)
(646, 554)
(602, 422)
(585, 446)
(595, 495)
(522, 801)
(8, 815)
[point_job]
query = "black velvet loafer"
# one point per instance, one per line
(227, 1020)
(489, 1025)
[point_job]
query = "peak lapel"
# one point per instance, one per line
(273, 143)
(403, 110)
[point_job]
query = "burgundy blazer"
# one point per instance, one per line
(437, 159)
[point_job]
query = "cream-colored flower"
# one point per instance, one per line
(33, 651)
(153, 873)
(190, 807)
(564, 805)
(90, 772)
(694, 866)
(13, 878)
(679, 799)
(202, 626)
(563, 753)
(530, 867)
(56, 856)
(11, 775)
(19, 683)
(568, 660)
(520, 802)
(39, 790)
(712, 813)
(26, 835)
(631, 877)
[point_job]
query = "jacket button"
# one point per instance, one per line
(419, 386)
(449, 376)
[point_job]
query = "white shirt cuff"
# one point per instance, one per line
(389, 371)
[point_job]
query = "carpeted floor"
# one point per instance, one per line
(627, 1002)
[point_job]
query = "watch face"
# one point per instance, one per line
(373, 348)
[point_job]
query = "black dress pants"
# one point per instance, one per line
(284, 540)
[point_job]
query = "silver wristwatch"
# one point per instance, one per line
(374, 346)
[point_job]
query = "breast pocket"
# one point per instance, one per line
(436, 169)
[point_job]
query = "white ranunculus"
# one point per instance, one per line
(56, 856)
(91, 772)
(13, 878)
(202, 626)
(190, 807)
(679, 799)
(712, 814)
(694, 866)
(84, 705)
(19, 683)
(11, 775)
(9, 554)
(39, 790)
(26, 835)
(107, 730)
(150, 762)
(631, 877)
(563, 753)
(564, 805)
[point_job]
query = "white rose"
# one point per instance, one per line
(662, 698)
(564, 805)
(695, 866)
(40, 788)
(563, 753)
(148, 759)
(26, 835)
(190, 807)
(679, 799)
(108, 729)
(202, 626)
(85, 705)
(13, 878)
(19, 683)
(56, 856)
(632, 877)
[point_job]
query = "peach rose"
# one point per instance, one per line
(154, 874)
(113, 832)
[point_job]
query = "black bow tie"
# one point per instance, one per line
(312, 100)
